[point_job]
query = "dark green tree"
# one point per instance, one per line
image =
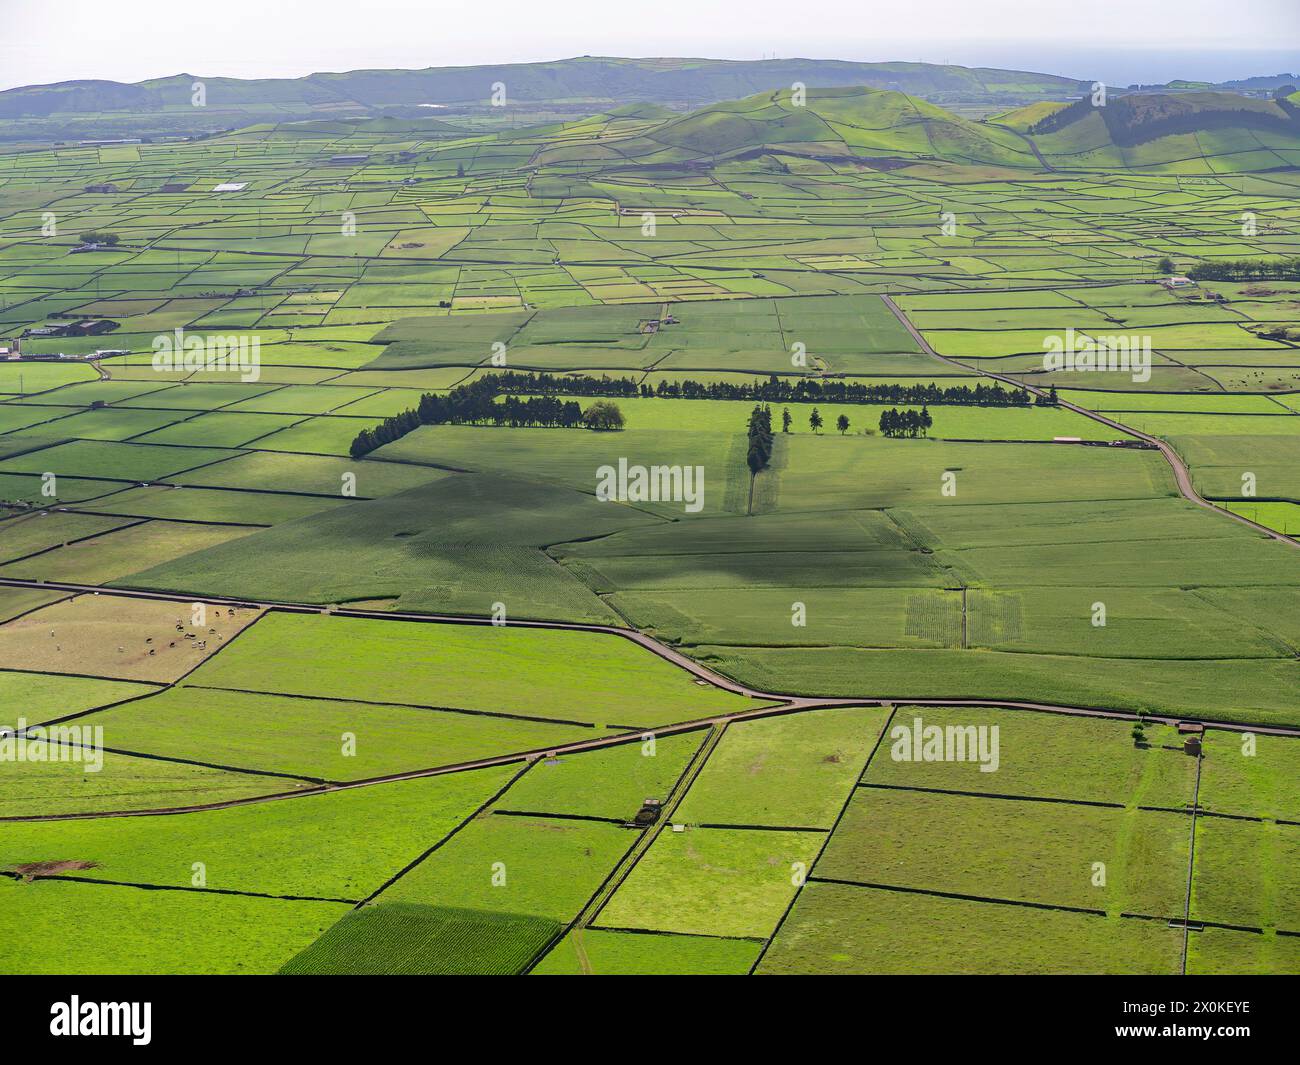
(603, 415)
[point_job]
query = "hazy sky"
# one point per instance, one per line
(1120, 41)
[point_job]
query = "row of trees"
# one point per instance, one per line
(908, 423)
(830, 390)
(535, 411)
(774, 390)
(385, 432)
(477, 404)
(1284, 269)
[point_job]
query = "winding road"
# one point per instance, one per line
(1182, 475)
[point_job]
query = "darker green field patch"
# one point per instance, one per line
(414, 940)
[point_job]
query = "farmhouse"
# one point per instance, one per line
(1177, 282)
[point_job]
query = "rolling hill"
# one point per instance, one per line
(885, 129)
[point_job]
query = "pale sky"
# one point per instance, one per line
(1114, 40)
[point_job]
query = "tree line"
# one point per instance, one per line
(1284, 269)
(774, 390)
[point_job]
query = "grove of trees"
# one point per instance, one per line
(908, 423)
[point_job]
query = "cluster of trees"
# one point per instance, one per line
(774, 390)
(1063, 117)
(603, 416)
(476, 404)
(1284, 269)
(908, 423)
(760, 438)
(99, 237)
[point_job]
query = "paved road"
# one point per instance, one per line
(1182, 476)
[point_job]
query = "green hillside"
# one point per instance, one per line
(1190, 132)
(830, 124)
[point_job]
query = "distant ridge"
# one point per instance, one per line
(681, 81)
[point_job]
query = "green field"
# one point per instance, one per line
(402, 938)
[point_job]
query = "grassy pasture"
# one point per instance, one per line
(149, 932)
(1046, 756)
(213, 505)
(610, 783)
(789, 771)
(340, 845)
(1250, 776)
(458, 544)
(1221, 951)
(575, 676)
(113, 460)
(538, 866)
(842, 929)
(29, 534)
(721, 882)
(40, 697)
(116, 555)
(311, 737)
(119, 637)
(1245, 873)
(1019, 851)
(17, 601)
(54, 784)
